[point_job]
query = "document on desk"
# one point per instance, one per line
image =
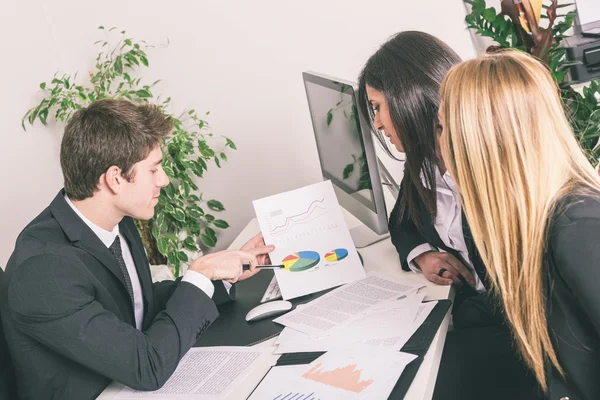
(382, 328)
(311, 239)
(340, 307)
(205, 373)
(357, 373)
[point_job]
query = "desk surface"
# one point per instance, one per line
(382, 257)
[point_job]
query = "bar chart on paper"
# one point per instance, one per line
(311, 240)
(347, 377)
(360, 374)
(296, 396)
(285, 383)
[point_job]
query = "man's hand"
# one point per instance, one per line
(228, 265)
(432, 262)
(224, 265)
(257, 246)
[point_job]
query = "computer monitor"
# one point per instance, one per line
(588, 17)
(347, 155)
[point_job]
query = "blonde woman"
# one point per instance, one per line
(532, 201)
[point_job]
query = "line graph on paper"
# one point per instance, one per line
(305, 225)
(279, 224)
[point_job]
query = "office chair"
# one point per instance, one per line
(8, 389)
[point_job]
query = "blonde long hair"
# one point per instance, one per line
(509, 146)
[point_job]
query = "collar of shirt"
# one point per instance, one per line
(106, 237)
(443, 183)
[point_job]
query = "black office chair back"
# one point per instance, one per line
(8, 388)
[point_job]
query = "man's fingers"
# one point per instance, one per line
(439, 280)
(261, 250)
(257, 240)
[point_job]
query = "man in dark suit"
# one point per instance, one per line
(77, 301)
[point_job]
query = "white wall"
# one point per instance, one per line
(241, 60)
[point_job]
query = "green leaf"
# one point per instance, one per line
(161, 244)
(143, 93)
(211, 232)
(43, 85)
(194, 227)
(230, 144)
(217, 162)
(118, 65)
(224, 156)
(209, 217)
(329, 117)
(219, 223)
(348, 170)
(172, 258)
(208, 241)
(489, 14)
(179, 215)
(215, 205)
(100, 27)
(195, 212)
(144, 60)
(182, 256)
(190, 244)
(43, 115)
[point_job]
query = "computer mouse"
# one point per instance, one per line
(269, 309)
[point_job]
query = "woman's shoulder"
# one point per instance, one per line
(575, 207)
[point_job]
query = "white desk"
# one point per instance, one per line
(382, 257)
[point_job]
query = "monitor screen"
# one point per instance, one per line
(339, 138)
(588, 11)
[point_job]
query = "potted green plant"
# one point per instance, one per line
(180, 223)
(517, 26)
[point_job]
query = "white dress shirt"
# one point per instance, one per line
(108, 237)
(448, 224)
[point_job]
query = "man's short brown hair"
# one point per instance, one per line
(108, 132)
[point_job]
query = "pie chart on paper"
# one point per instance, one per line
(336, 255)
(301, 261)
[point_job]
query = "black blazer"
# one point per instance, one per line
(7, 379)
(572, 285)
(69, 321)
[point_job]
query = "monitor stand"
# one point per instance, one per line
(363, 236)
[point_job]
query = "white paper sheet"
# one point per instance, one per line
(390, 328)
(338, 308)
(204, 373)
(357, 373)
(310, 237)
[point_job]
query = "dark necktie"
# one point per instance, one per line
(115, 248)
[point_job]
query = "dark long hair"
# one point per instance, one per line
(408, 69)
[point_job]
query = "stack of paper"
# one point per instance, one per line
(376, 311)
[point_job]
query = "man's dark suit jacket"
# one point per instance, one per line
(572, 284)
(69, 321)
